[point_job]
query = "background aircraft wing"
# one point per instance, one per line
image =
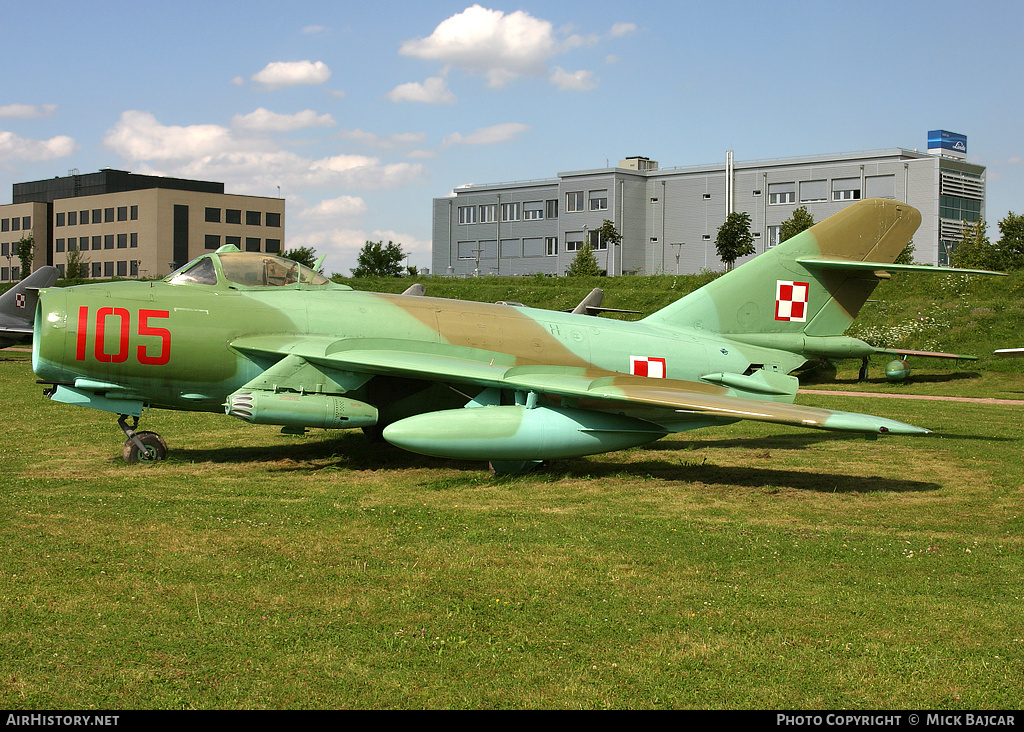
(595, 388)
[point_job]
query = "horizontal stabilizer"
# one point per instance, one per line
(927, 354)
(847, 264)
(1010, 353)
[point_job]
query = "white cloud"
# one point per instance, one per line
(488, 135)
(249, 164)
(13, 147)
(138, 136)
(281, 74)
(266, 121)
(622, 29)
(400, 139)
(575, 80)
(27, 111)
(343, 207)
(489, 42)
(432, 91)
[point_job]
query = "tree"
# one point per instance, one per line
(974, 250)
(25, 249)
(76, 266)
(377, 260)
(907, 255)
(302, 255)
(734, 239)
(801, 220)
(584, 264)
(1011, 241)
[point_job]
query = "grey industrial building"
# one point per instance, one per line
(669, 217)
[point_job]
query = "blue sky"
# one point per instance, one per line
(360, 113)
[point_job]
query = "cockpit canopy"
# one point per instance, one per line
(247, 269)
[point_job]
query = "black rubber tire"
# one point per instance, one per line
(155, 446)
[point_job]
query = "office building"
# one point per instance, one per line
(121, 224)
(669, 217)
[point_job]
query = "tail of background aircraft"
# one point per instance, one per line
(18, 305)
(811, 285)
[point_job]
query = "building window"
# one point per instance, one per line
(212, 215)
(774, 232)
(533, 247)
(108, 215)
(108, 241)
(781, 193)
(488, 213)
(573, 241)
(252, 244)
(551, 208)
(533, 210)
(551, 245)
(466, 249)
(133, 241)
(467, 214)
(122, 241)
(235, 241)
(97, 269)
(573, 203)
(72, 218)
(707, 196)
(510, 212)
(72, 243)
(274, 219)
(97, 216)
(599, 200)
(58, 245)
(122, 213)
(273, 245)
(511, 248)
(813, 191)
(26, 223)
(846, 189)
(15, 224)
(212, 241)
(133, 213)
(95, 243)
(253, 218)
(596, 242)
(233, 216)
(122, 268)
(5, 224)
(108, 269)
(60, 218)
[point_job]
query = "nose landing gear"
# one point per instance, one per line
(140, 447)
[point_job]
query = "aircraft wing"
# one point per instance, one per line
(929, 354)
(601, 389)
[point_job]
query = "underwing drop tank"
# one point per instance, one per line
(510, 433)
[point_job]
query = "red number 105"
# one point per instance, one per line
(122, 331)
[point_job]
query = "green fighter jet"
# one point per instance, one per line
(271, 342)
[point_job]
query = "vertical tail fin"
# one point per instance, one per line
(778, 292)
(18, 305)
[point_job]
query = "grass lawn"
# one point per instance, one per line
(748, 567)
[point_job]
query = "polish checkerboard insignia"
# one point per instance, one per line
(19, 300)
(791, 300)
(647, 366)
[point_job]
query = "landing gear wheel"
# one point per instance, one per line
(153, 448)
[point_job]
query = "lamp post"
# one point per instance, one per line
(679, 248)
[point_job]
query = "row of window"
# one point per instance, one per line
(510, 248)
(17, 223)
(96, 216)
(575, 202)
(249, 244)
(234, 216)
(121, 268)
(107, 241)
